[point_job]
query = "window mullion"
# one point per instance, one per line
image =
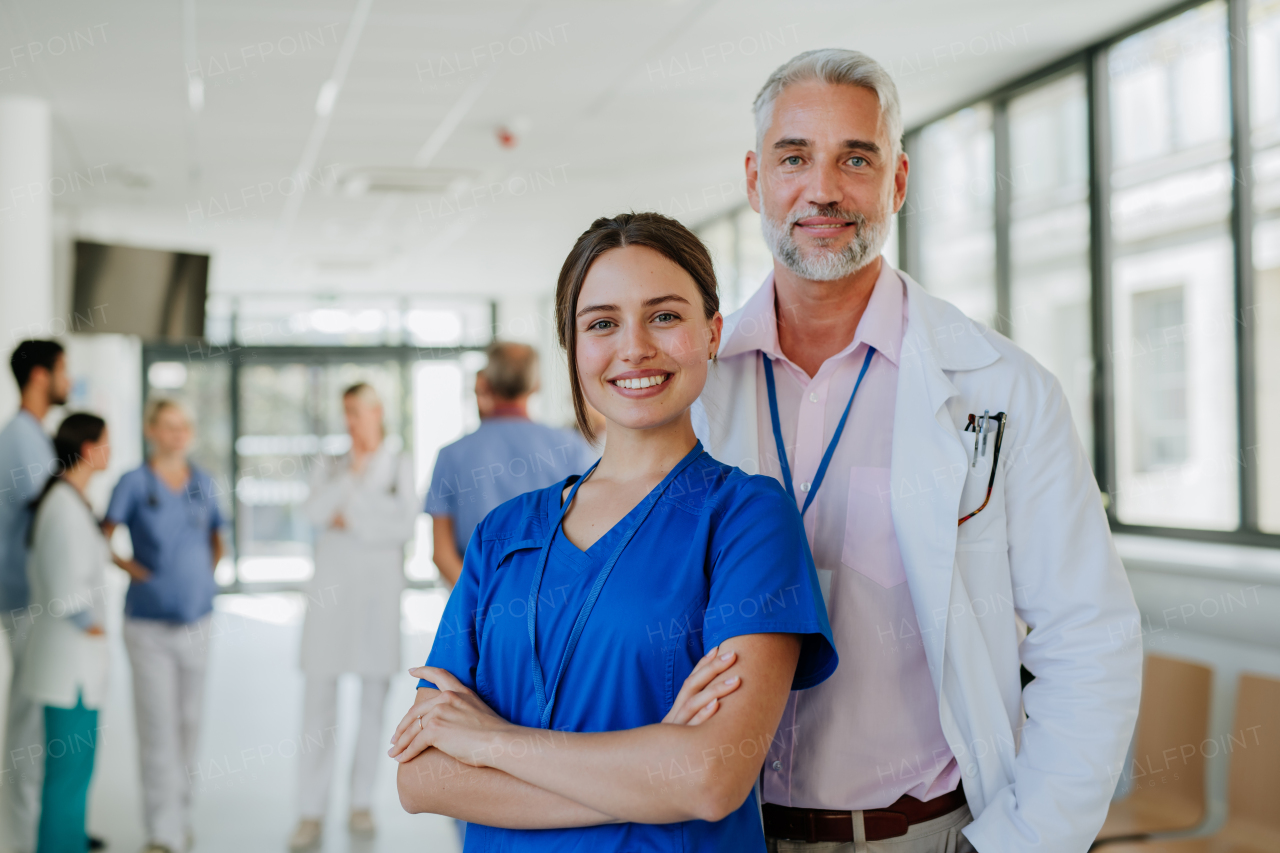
(1242, 234)
(1003, 199)
(1100, 256)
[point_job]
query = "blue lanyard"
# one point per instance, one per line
(547, 700)
(835, 438)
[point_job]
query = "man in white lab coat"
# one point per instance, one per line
(949, 504)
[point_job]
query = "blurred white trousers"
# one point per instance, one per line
(23, 766)
(168, 662)
(319, 743)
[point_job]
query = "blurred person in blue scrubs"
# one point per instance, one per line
(174, 522)
(65, 661)
(26, 463)
(586, 609)
(507, 456)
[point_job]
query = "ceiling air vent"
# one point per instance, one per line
(364, 180)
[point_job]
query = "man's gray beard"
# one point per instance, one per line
(826, 264)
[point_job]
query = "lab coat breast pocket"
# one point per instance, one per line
(985, 531)
(870, 544)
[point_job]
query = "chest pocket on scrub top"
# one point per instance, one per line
(509, 644)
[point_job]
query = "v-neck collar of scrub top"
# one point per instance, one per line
(598, 550)
(629, 525)
(156, 480)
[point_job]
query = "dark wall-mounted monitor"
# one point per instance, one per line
(154, 294)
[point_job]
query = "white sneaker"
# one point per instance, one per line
(361, 822)
(306, 835)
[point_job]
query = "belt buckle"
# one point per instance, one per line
(880, 824)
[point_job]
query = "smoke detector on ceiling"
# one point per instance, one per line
(510, 133)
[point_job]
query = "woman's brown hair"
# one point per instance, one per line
(665, 236)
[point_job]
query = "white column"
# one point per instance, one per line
(26, 235)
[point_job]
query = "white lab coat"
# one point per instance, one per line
(1041, 551)
(66, 569)
(353, 600)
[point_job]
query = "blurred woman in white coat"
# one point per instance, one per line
(364, 506)
(64, 665)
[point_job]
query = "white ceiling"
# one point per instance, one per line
(617, 104)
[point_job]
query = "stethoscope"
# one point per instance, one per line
(193, 491)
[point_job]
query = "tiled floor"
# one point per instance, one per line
(245, 779)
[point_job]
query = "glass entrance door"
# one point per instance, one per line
(291, 425)
(267, 417)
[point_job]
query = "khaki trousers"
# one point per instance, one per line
(940, 835)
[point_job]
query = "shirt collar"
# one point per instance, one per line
(755, 327)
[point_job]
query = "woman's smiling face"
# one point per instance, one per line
(643, 338)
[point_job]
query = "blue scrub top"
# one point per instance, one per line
(505, 457)
(171, 537)
(722, 554)
(27, 458)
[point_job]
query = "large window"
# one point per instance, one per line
(1118, 215)
(1173, 275)
(951, 204)
(1048, 180)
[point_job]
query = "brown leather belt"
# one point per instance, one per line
(816, 825)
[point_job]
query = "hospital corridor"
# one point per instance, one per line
(528, 426)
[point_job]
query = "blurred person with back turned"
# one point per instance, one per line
(365, 506)
(26, 462)
(507, 456)
(174, 521)
(936, 551)
(64, 664)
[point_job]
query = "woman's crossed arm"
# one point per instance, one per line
(460, 759)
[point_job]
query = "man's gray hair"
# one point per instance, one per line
(836, 66)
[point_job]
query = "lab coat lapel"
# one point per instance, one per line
(928, 461)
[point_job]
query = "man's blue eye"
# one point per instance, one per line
(858, 161)
(793, 160)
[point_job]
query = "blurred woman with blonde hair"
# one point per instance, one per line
(172, 514)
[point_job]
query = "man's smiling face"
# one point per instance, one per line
(826, 180)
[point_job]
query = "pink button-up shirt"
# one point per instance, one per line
(870, 733)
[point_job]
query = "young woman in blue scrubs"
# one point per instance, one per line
(170, 508)
(547, 714)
